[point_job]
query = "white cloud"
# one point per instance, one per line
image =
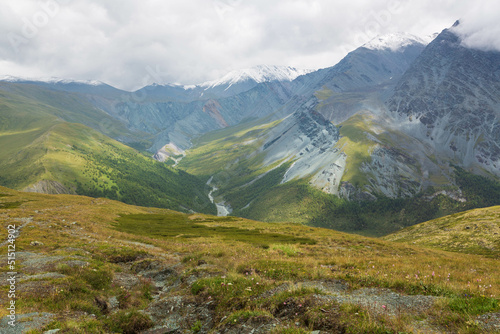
(480, 27)
(194, 41)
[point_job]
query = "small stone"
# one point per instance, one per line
(113, 302)
(36, 243)
(52, 331)
(315, 332)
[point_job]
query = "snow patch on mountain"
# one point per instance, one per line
(173, 85)
(51, 80)
(396, 41)
(259, 74)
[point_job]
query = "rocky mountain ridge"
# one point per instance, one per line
(449, 99)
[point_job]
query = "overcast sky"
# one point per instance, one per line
(131, 43)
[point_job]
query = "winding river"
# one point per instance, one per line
(222, 209)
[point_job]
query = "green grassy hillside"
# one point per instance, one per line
(101, 266)
(40, 150)
(69, 107)
(474, 232)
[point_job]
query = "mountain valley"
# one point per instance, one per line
(397, 125)
(223, 207)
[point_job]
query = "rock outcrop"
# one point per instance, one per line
(48, 187)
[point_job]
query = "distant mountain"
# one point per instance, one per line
(372, 157)
(233, 83)
(257, 74)
(449, 99)
(240, 80)
(158, 115)
(51, 80)
(41, 152)
(365, 74)
(92, 87)
(302, 146)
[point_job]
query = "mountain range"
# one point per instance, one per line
(398, 125)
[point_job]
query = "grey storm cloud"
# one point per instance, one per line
(132, 43)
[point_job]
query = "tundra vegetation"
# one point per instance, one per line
(100, 266)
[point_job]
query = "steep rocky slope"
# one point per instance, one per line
(449, 99)
(365, 74)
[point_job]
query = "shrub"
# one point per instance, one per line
(129, 322)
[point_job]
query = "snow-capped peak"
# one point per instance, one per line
(396, 41)
(173, 85)
(50, 80)
(261, 73)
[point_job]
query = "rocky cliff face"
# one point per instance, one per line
(450, 99)
(366, 71)
(392, 172)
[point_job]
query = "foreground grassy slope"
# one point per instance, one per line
(475, 231)
(224, 273)
(40, 152)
